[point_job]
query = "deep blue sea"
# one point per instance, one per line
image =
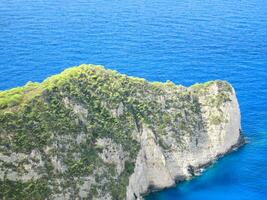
(185, 41)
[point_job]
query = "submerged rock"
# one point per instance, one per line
(96, 134)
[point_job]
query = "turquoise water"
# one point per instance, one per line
(183, 41)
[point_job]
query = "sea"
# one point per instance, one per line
(184, 41)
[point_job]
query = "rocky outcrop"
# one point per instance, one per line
(95, 134)
(157, 168)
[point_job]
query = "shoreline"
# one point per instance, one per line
(198, 171)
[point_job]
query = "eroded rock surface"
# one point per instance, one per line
(95, 134)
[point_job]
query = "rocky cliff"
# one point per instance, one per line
(92, 133)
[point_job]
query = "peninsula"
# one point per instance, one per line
(93, 133)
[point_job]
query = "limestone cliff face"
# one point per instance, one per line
(95, 134)
(158, 168)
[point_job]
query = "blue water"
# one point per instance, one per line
(185, 41)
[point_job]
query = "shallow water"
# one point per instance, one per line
(183, 41)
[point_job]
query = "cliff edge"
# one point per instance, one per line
(93, 133)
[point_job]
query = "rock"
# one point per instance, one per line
(96, 134)
(112, 153)
(157, 168)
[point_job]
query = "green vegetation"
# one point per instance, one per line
(17, 190)
(90, 102)
(19, 96)
(215, 120)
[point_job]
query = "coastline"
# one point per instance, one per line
(198, 171)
